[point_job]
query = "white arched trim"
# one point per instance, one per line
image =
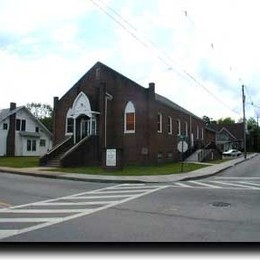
(81, 106)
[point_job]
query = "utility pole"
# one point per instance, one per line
(244, 119)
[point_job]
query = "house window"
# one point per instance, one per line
(31, 145)
(198, 133)
(20, 125)
(37, 129)
(159, 123)
(129, 118)
(5, 126)
(178, 127)
(202, 134)
(169, 125)
(42, 142)
(70, 125)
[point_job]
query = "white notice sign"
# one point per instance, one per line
(111, 157)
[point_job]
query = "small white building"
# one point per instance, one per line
(21, 134)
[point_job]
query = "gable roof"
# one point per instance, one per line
(175, 106)
(158, 97)
(5, 113)
(234, 130)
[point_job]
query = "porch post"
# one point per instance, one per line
(91, 121)
(74, 130)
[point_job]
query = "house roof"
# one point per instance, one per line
(5, 113)
(158, 97)
(235, 130)
(173, 105)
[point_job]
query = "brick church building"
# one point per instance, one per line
(107, 119)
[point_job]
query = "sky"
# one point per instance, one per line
(198, 53)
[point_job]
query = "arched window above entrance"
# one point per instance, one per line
(81, 106)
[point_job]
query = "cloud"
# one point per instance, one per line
(49, 48)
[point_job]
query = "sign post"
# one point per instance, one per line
(182, 147)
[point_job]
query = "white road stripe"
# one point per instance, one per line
(78, 212)
(122, 191)
(74, 203)
(131, 188)
(28, 220)
(236, 185)
(238, 178)
(205, 184)
(98, 197)
(181, 184)
(39, 211)
(249, 183)
(8, 232)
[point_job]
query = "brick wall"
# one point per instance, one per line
(146, 145)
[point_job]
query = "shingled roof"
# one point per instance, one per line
(234, 129)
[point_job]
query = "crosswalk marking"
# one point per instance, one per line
(36, 212)
(236, 185)
(205, 184)
(28, 220)
(238, 178)
(250, 183)
(214, 184)
(76, 203)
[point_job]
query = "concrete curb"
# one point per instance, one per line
(127, 179)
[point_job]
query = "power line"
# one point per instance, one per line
(162, 56)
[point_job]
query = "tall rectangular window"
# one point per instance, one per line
(159, 122)
(18, 124)
(23, 125)
(29, 145)
(33, 145)
(178, 127)
(70, 125)
(169, 125)
(186, 129)
(130, 122)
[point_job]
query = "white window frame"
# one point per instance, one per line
(178, 127)
(160, 130)
(129, 109)
(169, 125)
(186, 129)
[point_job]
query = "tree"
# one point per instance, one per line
(226, 121)
(207, 120)
(252, 124)
(42, 112)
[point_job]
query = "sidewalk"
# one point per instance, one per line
(201, 173)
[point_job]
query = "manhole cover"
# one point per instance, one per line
(220, 204)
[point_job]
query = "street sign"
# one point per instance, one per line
(182, 146)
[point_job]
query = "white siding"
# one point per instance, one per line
(21, 137)
(3, 136)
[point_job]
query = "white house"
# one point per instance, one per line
(21, 134)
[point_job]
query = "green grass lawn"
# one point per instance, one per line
(19, 162)
(164, 169)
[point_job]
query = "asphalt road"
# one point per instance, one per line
(221, 208)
